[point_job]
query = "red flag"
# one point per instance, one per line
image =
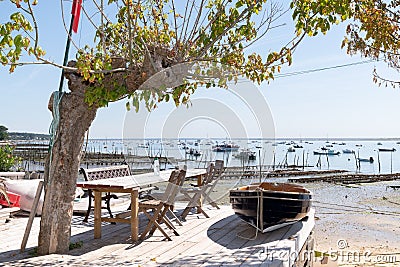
(76, 12)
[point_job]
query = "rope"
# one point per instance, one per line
(57, 96)
(339, 207)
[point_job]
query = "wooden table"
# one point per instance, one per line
(131, 185)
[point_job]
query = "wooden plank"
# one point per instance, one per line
(32, 215)
(200, 242)
(115, 238)
(179, 244)
(237, 251)
(209, 242)
(154, 246)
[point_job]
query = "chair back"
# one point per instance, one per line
(175, 182)
(209, 173)
(105, 172)
(219, 167)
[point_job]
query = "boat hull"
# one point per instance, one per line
(267, 205)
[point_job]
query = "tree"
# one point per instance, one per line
(373, 28)
(7, 160)
(145, 38)
(3, 133)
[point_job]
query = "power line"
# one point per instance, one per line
(289, 74)
(322, 69)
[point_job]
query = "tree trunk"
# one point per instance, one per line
(62, 169)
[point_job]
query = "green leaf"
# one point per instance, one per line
(135, 103)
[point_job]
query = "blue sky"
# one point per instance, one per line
(341, 102)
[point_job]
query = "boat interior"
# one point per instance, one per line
(280, 187)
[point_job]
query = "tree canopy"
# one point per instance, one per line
(373, 28)
(3, 132)
(148, 36)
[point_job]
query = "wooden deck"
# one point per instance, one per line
(221, 240)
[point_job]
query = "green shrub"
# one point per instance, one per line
(7, 160)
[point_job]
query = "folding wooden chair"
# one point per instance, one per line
(195, 195)
(160, 207)
(160, 195)
(212, 182)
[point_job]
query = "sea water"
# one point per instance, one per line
(268, 152)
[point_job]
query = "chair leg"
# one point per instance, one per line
(193, 203)
(212, 202)
(162, 218)
(153, 223)
(185, 212)
(167, 221)
(202, 211)
(158, 220)
(175, 218)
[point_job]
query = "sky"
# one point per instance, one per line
(340, 102)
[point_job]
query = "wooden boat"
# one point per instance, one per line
(348, 151)
(27, 190)
(268, 206)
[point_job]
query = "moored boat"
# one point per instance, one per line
(387, 149)
(228, 147)
(291, 149)
(193, 152)
(246, 155)
(329, 152)
(370, 159)
(268, 206)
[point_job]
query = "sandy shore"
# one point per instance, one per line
(363, 219)
(357, 225)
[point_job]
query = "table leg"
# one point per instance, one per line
(134, 215)
(199, 184)
(97, 214)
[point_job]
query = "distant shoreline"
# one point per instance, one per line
(259, 139)
(15, 136)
